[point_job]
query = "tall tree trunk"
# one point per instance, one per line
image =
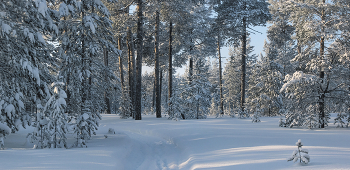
(105, 56)
(170, 68)
(67, 80)
(321, 90)
(154, 93)
(243, 63)
(220, 78)
(133, 74)
(121, 62)
(197, 103)
(156, 67)
(190, 71)
(299, 47)
(160, 91)
(130, 68)
(84, 61)
(139, 61)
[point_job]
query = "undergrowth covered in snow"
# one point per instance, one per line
(159, 143)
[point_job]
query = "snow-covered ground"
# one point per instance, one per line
(213, 143)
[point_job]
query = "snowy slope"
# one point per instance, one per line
(223, 143)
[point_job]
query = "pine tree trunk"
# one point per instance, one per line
(121, 62)
(139, 61)
(321, 92)
(83, 82)
(68, 93)
(243, 63)
(131, 67)
(190, 71)
(156, 67)
(154, 94)
(67, 81)
(170, 69)
(220, 79)
(132, 46)
(108, 110)
(299, 47)
(160, 91)
(197, 103)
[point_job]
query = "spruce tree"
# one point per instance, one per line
(25, 59)
(236, 17)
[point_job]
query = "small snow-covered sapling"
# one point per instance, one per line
(301, 154)
(111, 131)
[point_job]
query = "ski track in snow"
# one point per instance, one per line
(161, 144)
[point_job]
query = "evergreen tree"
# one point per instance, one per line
(235, 17)
(264, 85)
(297, 154)
(25, 58)
(84, 36)
(196, 94)
(232, 74)
(125, 105)
(316, 26)
(174, 109)
(54, 111)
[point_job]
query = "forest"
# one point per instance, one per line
(64, 63)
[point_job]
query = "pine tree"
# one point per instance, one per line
(264, 87)
(85, 34)
(195, 94)
(297, 154)
(232, 74)
(314, 27)
(235, 17)
(54, 110)
(125, 105)
(174, 109)
(25, 58)
(213, 108)
(339, 120)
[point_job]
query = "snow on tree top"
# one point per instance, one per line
(299, 143)
(42, 8)
(86, 116)
(4, 129)
(63, 9)
(5, 28)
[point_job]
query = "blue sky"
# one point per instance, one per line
(257, 40)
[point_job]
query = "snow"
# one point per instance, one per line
(40, 38)
(4, 129)
(63, 9)
(20, 104)
(212, 143)
(35, 72)
(42, 8)
(61, 101)
(31, 37)
(86, 116)
(9, 109)
(5, 28)
(25, 32)
(92, 27)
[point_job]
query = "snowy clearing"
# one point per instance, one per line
(213, 143)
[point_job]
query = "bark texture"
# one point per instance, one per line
(138, 89)
(243, 63)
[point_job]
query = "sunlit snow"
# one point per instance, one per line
(160, 144)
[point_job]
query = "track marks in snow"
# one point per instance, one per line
(148, 151)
